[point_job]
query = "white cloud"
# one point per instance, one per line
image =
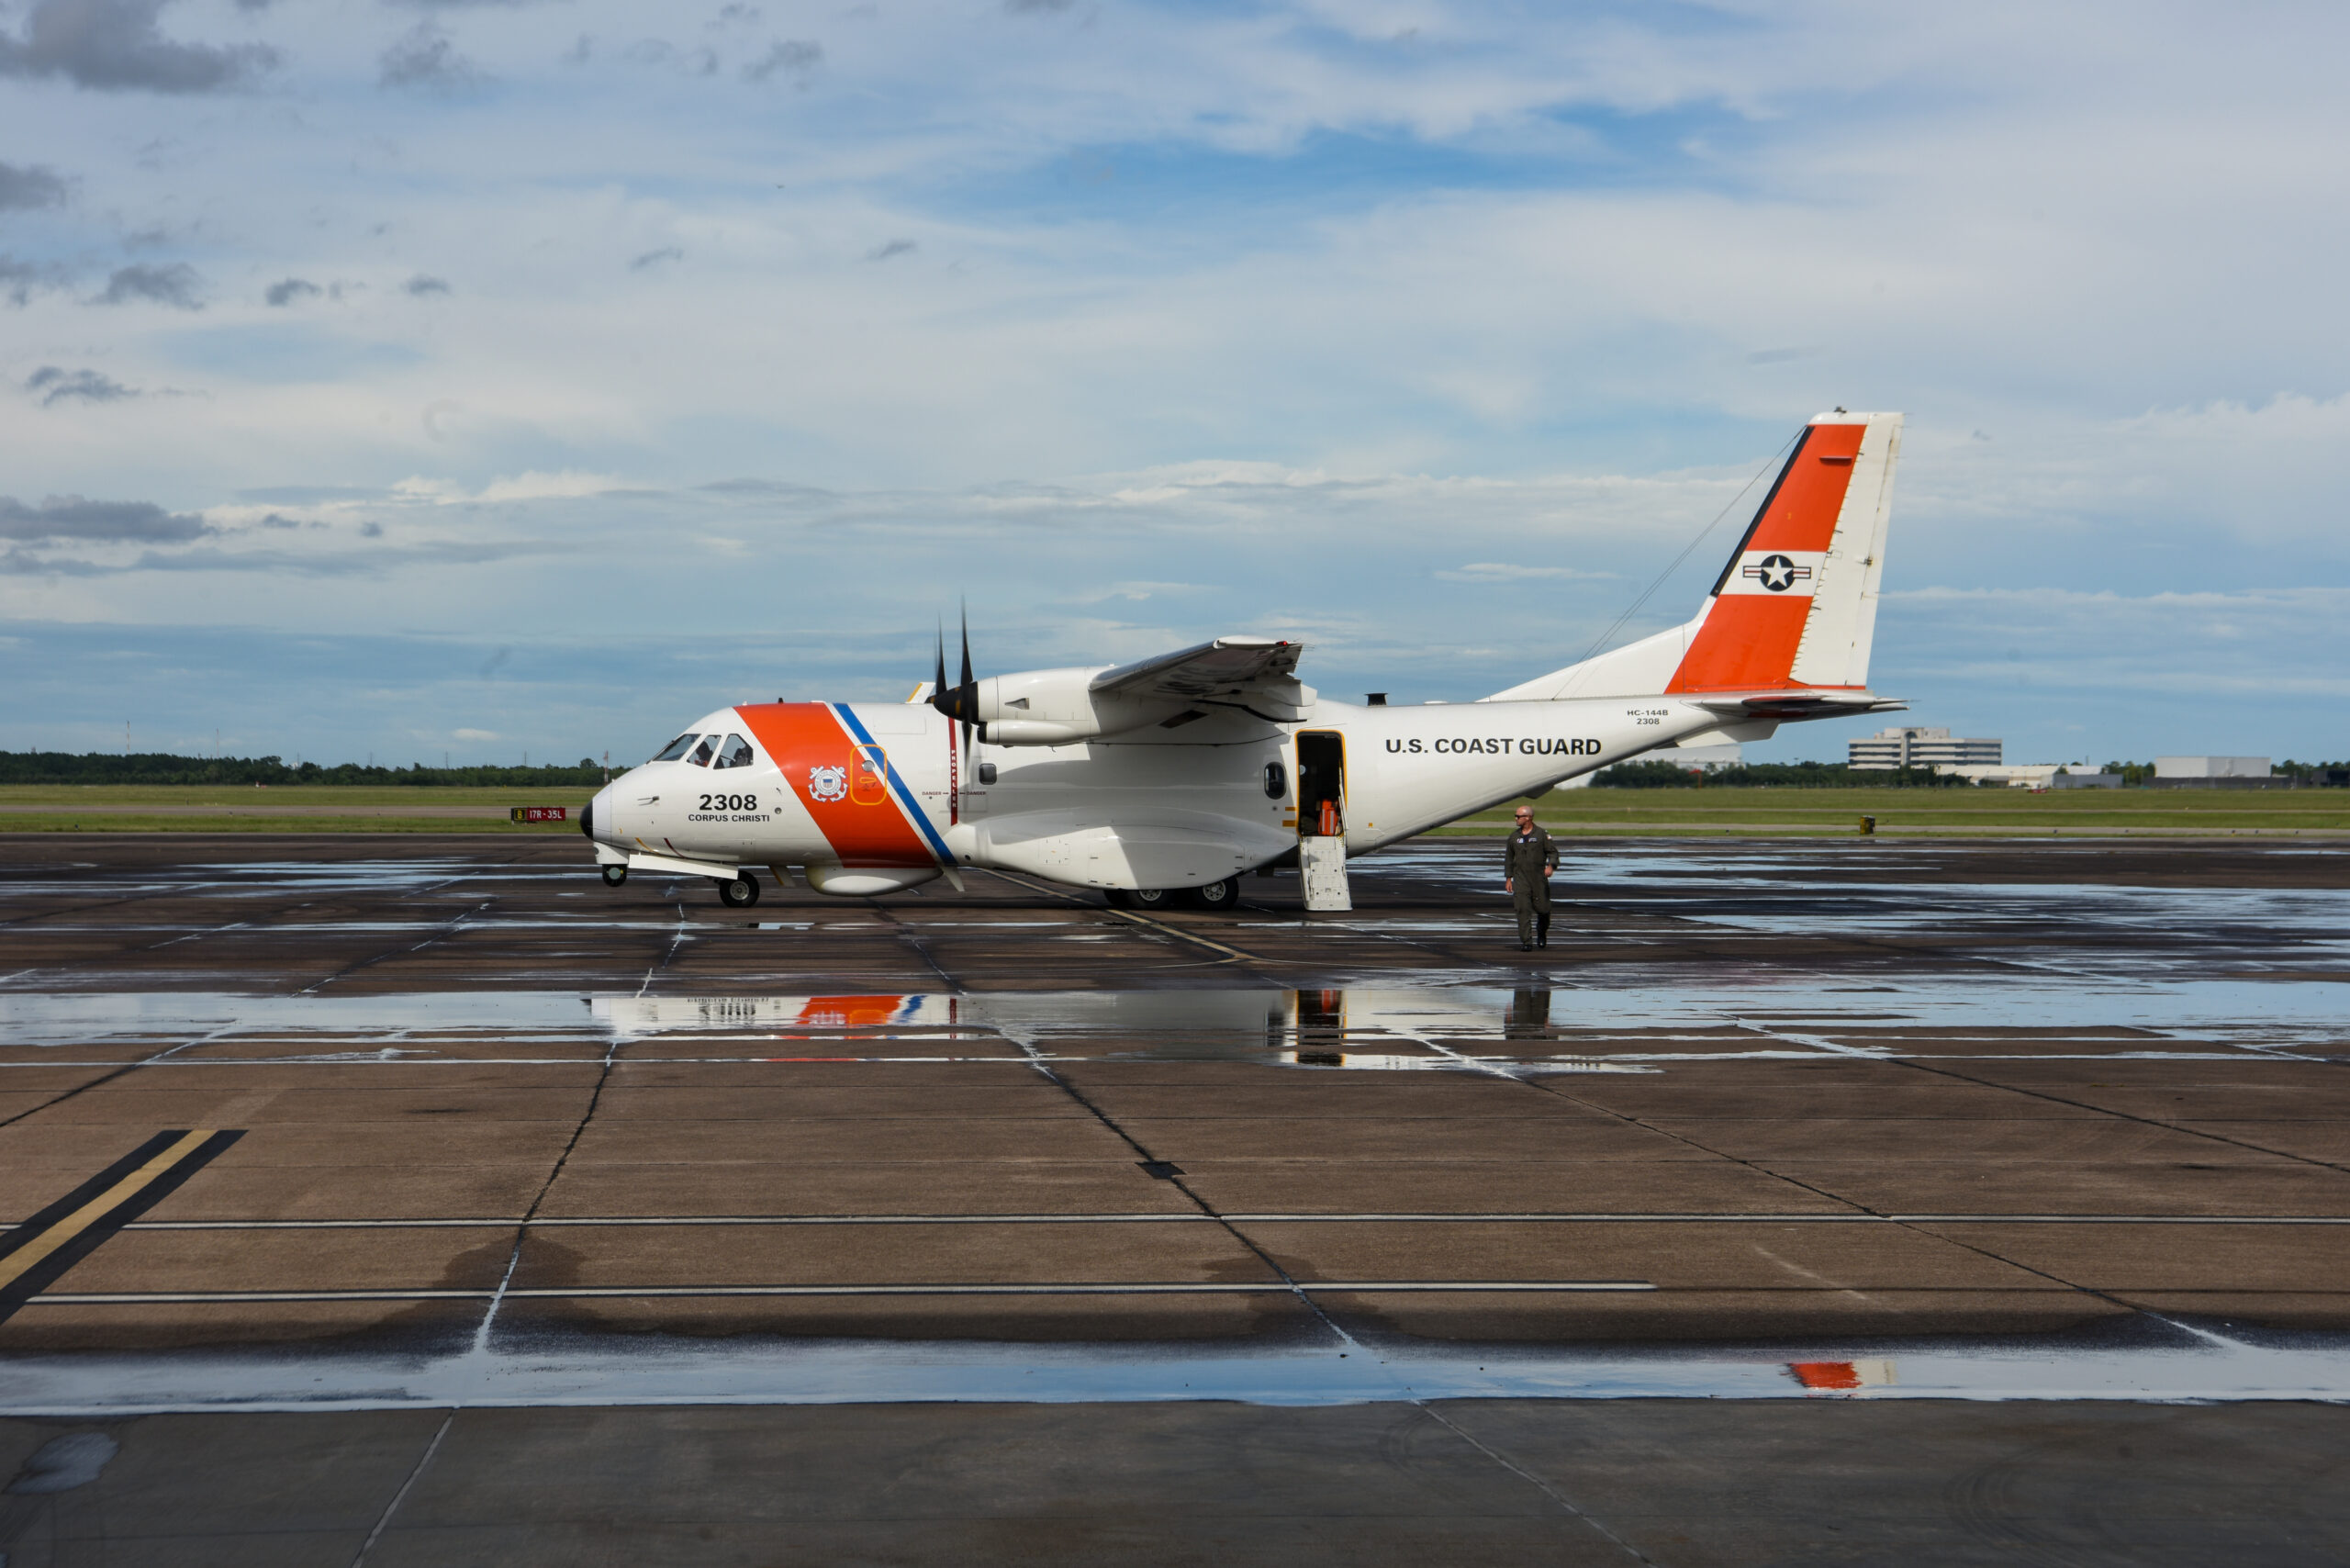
(1510, 572)
(1312, 302)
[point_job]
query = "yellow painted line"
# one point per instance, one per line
(14, 1266)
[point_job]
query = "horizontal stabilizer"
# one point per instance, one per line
(1801, 703)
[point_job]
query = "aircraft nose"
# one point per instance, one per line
(600, 821)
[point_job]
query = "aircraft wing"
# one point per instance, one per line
(1804, 702)
(1230, 668)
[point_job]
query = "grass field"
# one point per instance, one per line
(2153, 813)
(309, 808)
(1957, 812)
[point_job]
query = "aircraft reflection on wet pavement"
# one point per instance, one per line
(1359, 1029)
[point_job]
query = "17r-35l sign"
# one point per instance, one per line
(539, 813)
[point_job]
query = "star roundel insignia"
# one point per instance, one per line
(1778, 573)
(827, 783)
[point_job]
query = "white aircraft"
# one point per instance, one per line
(1163, 781)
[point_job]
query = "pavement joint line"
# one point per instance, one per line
(120, 1070)
(1565, 1503)
(383, 1520)
(1173, 1175)
(1818, 1190)
(912, 939)
(442, 931)
(561, 1292)
(1920, 1064)
(1232, 955)
(436, 1224)
(554, 1173)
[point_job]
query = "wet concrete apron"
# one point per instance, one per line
(372, 1123)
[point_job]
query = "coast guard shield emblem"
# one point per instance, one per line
(827, 783)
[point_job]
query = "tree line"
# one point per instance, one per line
(1656, 775)
(161, 767)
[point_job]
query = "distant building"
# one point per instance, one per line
(2021, 775)
(2217, 773)
(2085, 781)
(2211, 767)
(1889, 749)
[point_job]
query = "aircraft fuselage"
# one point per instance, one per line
(872, 796)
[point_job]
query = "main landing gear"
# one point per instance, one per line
(740, 893)
(1215, 897)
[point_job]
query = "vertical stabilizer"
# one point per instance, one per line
(1795, 606)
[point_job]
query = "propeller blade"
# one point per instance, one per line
(966, 642)
(938, 685)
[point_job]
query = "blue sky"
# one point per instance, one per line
(405, 378)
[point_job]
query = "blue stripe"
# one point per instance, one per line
(905, 797)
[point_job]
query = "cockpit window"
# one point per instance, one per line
(677, 748)
(735, 752)
(699, 755)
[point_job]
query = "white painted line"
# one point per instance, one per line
(436, 1224)
(645, 1292)
(670, 1219)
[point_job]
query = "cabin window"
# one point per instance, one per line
(699, 755)
(735, 752)
(677, 748)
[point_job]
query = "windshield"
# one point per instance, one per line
(735, 752)
(699, 756)
(677, 748)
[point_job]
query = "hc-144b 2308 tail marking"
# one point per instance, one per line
(1185, 770)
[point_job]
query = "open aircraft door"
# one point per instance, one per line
(1322, 819)
(1321, 784)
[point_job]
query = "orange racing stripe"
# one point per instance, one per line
(801, 737)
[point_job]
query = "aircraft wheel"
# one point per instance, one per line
(615, 875)
(740, 893)
(1218, 896)
(1151, 898)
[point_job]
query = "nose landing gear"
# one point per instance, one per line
(740, 893)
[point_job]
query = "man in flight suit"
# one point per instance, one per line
(1529, 858)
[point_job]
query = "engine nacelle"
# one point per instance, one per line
(1055, 706)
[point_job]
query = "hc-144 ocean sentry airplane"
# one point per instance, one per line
(1163, 781)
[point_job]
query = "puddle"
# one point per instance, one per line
(1748, 890)
(2195, 1365)
(1726, 1014)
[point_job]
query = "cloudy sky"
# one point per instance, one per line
(392, 378)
